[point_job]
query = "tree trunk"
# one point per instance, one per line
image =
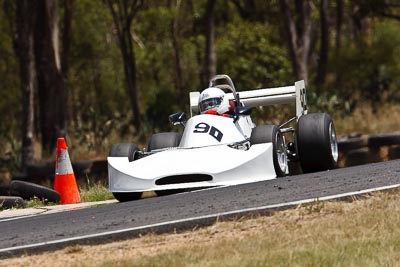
(25, 17)
(356, 19)
(52, 96)
(247, 8)
(176, 51)
(324, 49)
(298, 35)
(339, 23)
(123, 12)
(66, 38)
(338, 39)
(211, 60)
(129, 60)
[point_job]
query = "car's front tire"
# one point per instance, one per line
(125, 150)
(127, 196)
(272, 134)
(316, 142)
(164, 140)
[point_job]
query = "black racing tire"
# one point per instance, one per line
(169, 192)
(28, 191)
(128, 196)
(124, 150)
(267, 134)
(316, 142)
(164, 140)
(9, 202)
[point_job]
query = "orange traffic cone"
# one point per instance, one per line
(64, 180)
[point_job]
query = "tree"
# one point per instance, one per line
(339, 24)
(256, 10)
(211, 58)
(51, 86)
(66, 40)
(123, 12)
(37, 50)
(379, 8)
(298, 35)
(338, 33)
(25, 20)
(324, 45)
(176, 48)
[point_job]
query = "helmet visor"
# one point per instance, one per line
(210, 103)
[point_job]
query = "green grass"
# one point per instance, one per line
(35, 202)
(92, 193)
(95, 192)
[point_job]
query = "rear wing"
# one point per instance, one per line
(295, 94)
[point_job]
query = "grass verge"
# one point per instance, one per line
(92, 193)
(95, 192)
(364, 232)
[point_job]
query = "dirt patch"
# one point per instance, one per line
(150, 244)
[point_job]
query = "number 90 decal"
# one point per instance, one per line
(203, 127)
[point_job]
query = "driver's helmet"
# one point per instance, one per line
(215, 99)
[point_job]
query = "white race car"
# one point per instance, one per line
(218, 151)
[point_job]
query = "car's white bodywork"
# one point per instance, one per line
(213, 151)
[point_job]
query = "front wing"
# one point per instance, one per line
(191, 168)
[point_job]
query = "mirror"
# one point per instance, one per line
(243, 111)
(178, 118)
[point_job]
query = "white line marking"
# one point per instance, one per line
(15, 214)
(216, 215)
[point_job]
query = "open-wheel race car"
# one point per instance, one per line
(224, 149)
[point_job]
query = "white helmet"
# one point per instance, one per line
(213, 99)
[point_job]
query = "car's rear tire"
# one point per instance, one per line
(271, 133)
(125, 150)
(164, 140)
(316, 142)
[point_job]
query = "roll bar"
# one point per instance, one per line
(258, 97)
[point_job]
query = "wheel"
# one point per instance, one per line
(125, 150)
(169, 192)
(130, 196)
(28, 191)
(9, 202)
(271, 133)
(164, 140)
(316, 142)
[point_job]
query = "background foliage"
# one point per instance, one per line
(250, 47)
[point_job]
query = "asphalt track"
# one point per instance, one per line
(187, 210)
